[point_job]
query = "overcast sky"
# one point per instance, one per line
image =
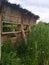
(39, 7)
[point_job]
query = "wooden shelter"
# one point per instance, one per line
(15, 21)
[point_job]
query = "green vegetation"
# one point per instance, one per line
(36, 53)
(7, 27)
(39, 38)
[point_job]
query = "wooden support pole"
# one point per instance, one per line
(27, 26)
(23, 33)
(0, 36)
(0, 25)
(19, 27)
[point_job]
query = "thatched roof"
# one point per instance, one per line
(17, 7)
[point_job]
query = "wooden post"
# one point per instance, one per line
(0, 27)
(23, 33)
(27, 27)
(0, 36)
(19, 34)
(19, 27)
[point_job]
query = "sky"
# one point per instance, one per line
(38, 7)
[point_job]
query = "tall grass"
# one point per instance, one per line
(36, 53)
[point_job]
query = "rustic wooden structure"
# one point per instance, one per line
(13, 15)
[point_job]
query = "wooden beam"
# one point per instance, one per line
(16, 32)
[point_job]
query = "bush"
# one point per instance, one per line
(36, 53)
(39, 41)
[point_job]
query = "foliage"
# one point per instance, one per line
(36, 53)
(7, 27)
(39, 38)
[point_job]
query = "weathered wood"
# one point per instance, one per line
(15, 19)
(10, 32)
(23, 33)
(0, 36)
(16, 15)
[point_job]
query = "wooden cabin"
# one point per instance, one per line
(15, 21)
